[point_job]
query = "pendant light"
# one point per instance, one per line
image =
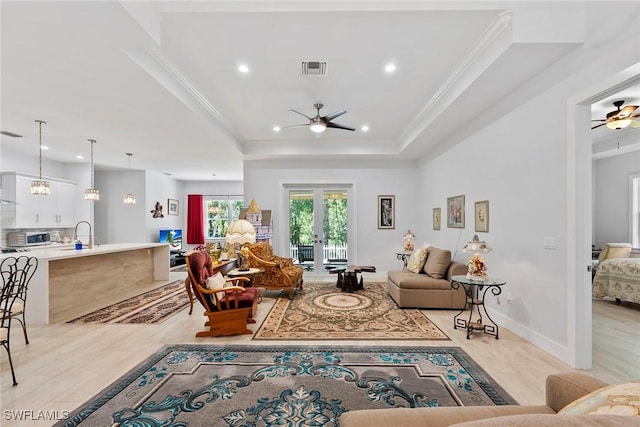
(92, 193)
(129, 199)
(40, 187)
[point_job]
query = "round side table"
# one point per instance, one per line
(476, 291)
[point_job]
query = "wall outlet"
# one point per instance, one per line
(550, 243)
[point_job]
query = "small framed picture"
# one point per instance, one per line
(436, 218)
(481, 215)
(172, 207)
(455, 211)
(386, 212)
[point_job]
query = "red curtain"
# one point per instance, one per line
(195, 219)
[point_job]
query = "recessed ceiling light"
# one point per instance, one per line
(44, 147)
(79, 157)
(390, 68)
(243, 68)
(276, 128)
(364, 128)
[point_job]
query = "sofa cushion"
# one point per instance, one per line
(437, 263)
(546, 420)
(617, 399)
(416, 260)
(407, 280)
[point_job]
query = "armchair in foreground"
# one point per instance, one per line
(279, 272)
(229, 308)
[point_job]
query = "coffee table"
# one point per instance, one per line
(348, 277)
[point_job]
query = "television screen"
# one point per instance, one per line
(173, 238)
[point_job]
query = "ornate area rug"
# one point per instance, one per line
(321, 311)
(196, 385)
(153, 306)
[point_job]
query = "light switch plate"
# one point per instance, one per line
(550, 243)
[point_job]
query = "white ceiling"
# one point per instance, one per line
(160, 79)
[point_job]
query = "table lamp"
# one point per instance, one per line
(476, 266)
(408, 241)
(239, 233)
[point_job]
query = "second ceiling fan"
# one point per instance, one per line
(319, 124)
(620, 118)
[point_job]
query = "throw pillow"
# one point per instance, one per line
(216, 282)
(416, 260)
(617, 399)
(437, 263)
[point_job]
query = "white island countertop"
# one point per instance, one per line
(70, 251)
(68, 279)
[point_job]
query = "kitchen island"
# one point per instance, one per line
(69, 283)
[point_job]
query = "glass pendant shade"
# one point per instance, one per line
(129, 199)
(619, 123)
(40, 187)
(92, 193)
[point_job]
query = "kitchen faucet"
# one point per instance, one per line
(75, 233)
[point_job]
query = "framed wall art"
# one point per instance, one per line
(386, 212)
(172, 207)
(455, 211)
(436, 218)
(481, 215)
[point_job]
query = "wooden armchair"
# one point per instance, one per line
(279, 272)
(228, 308)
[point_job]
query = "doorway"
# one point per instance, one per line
(318, 237)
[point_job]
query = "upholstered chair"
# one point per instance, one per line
(228, 305)
(279, 272)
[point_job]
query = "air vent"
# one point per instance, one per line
(314, 68)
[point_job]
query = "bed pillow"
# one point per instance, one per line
(416, 260)
(617, 399)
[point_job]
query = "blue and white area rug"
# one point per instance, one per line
(196, 385)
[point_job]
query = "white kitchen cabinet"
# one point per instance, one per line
(57, 210)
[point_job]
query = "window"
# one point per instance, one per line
(219, 212)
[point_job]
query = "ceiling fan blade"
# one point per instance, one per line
(337, 126)
(302, 114)
(599, 120)
(293, 126)
(627, 111)
(333, 115)
(597, 126)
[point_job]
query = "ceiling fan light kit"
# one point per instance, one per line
(620, 118)
(319, 124)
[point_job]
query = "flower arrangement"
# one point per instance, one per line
(476, 267)
(199, 248)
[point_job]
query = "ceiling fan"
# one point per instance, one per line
(319, 124)
(620, 118)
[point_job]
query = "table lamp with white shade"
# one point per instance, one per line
(241, 232)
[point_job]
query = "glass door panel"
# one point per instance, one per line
(318, 228)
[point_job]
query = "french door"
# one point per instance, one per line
(318, 226)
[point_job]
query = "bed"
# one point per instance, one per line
(618, 278)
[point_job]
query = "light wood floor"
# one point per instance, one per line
(65, 365)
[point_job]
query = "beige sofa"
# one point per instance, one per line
(561, 390)
(427, 283)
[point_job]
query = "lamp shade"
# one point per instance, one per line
(241, 231)
(477, 246)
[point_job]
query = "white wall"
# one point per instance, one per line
(160, 188)
(264, 179)
(612, 204)
(116, 222)
(520, 164)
